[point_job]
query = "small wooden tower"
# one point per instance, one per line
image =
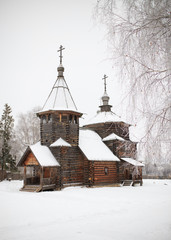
(59, 130)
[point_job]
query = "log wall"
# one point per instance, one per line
(71, 165)
(88, 177)
(51, 176)
(103, 172)
(122, 148)
(105, 129)
(59, 125)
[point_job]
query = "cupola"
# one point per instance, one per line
(105, 99)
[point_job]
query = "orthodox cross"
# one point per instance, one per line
(60, 50)
(104, 78)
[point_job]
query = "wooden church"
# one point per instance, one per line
(97, 154)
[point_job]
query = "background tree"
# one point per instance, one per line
(139, 33)
(27, 131)
(6, 131)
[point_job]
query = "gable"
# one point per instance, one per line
(38, 154)
(31, 160)
(113, 136)
(60, 143)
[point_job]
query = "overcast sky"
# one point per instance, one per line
(31, 33)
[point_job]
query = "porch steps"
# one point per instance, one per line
(140, 182)
(48, 187)
(127, 183)
(31, 188)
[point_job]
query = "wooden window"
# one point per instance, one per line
(70, 118)
(64, 118)
(34, 172)
(43, 119)
(75, 119)
(60, 117)
(49, 118)
(106, 170)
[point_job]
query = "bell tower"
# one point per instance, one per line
(59, 117)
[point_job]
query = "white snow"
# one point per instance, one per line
(75, 213)
(103, 117)
(93, 148)
(133, 162)
(58, 109)
(59, 143)
(113, 136)
(44, 155)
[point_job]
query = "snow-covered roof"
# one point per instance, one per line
(59, 143)
(43, 155)
(102, 117)
(113, 136)
(60, 97)
(57, 109)
(93, 147)
(133, 162)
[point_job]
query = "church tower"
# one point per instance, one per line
(59, 117)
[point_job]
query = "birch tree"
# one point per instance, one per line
(139, 35)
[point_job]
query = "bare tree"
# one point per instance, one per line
(27, 131)
(139, 33)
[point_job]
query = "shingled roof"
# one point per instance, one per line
(60, 97)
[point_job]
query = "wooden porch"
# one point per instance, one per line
(130, 175)
(37, 178)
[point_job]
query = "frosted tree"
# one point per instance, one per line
(139, 34)
(6, 131)
(27, 130)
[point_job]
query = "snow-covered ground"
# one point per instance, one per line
(115, 213)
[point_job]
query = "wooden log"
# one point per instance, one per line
(41, 176)
(25, 174)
